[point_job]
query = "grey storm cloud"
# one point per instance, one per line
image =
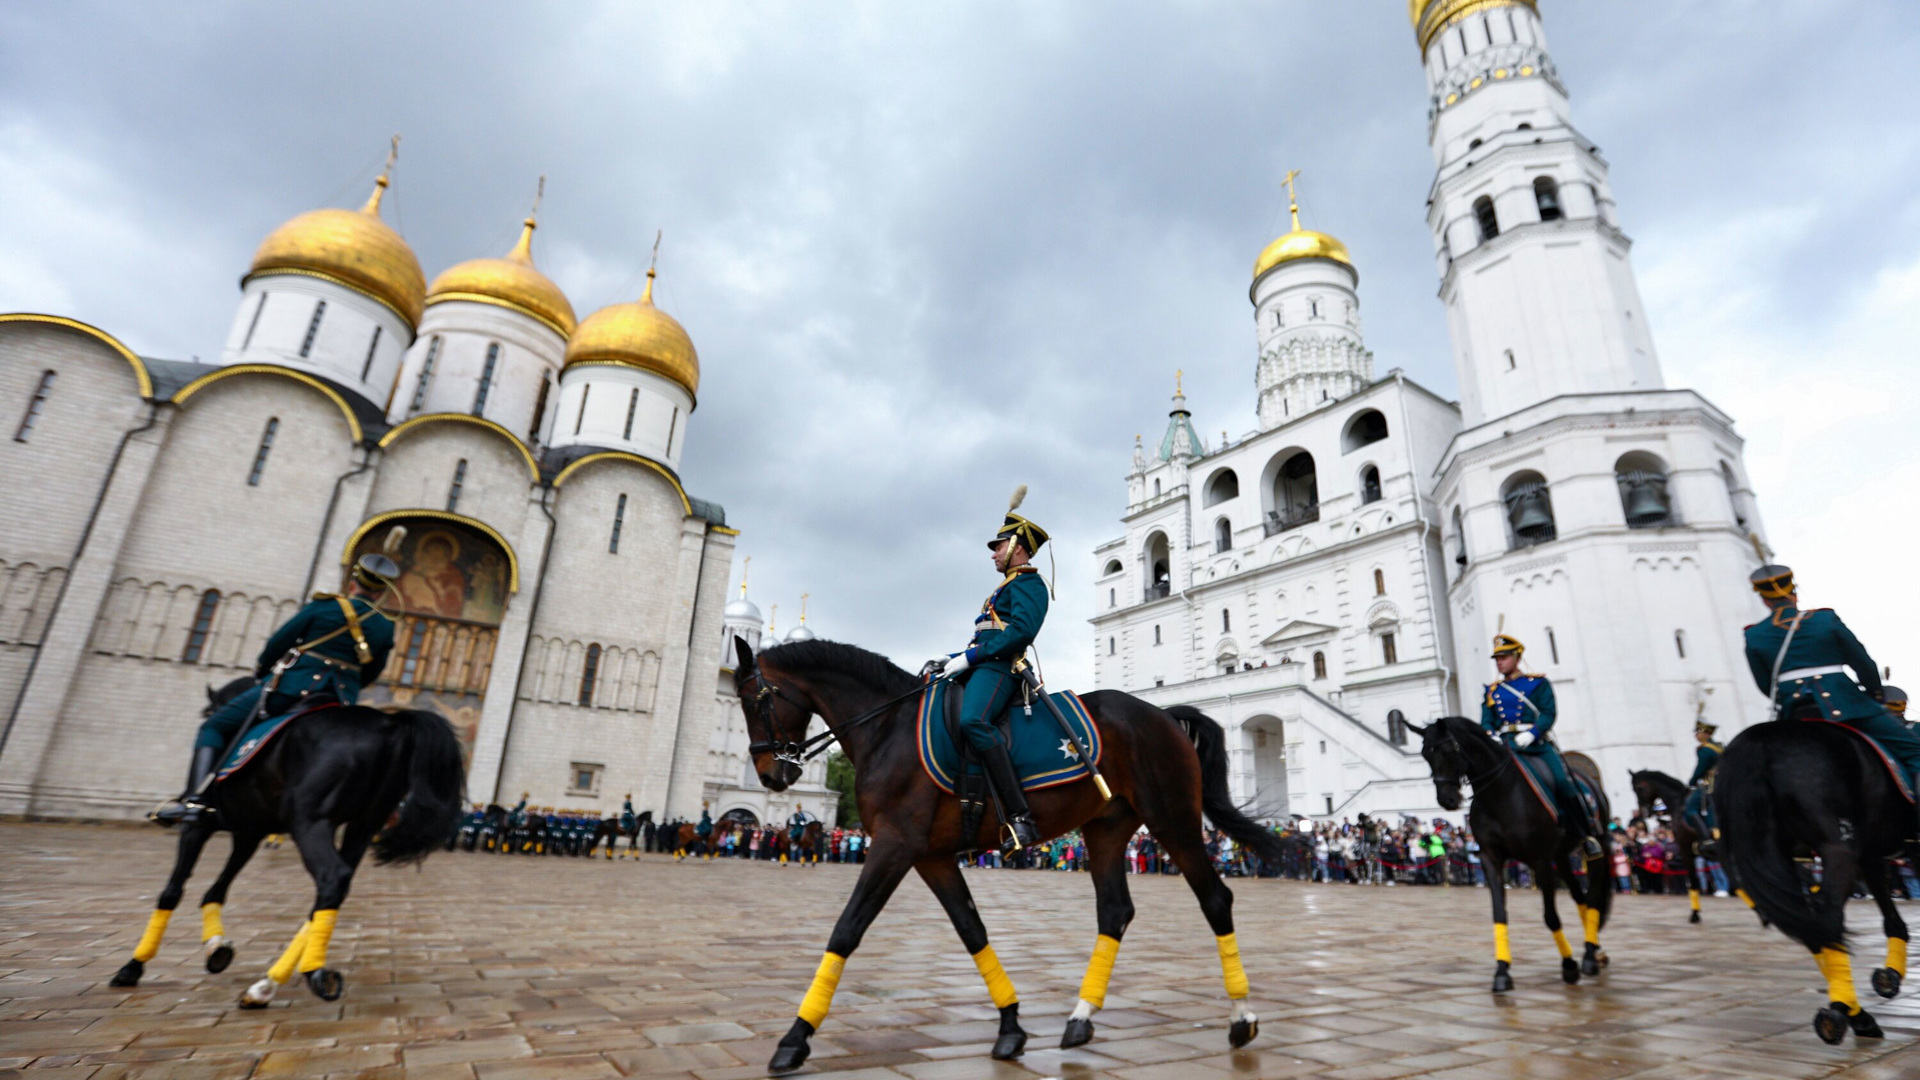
(930, 251)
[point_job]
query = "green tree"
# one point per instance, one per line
(840, 779)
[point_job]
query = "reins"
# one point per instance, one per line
(1505, 759)
(799, 753)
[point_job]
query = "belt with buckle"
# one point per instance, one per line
(1812, 672)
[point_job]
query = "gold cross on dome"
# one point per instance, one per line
(1177, 374)
(1293, 200)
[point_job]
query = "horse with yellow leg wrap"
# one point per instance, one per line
(1805, 786)
(1165, 768)
(1514, 822)
(348, 766)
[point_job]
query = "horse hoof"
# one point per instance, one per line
(259, 995)
(1502, 982)
(1886, 982)
(1694, 918)
(1242, 1032)
(219, 955)
(788, 1058)
(1865, 1026)
(1591, 965)
(326, 984)
(1009, 1045)
(1830, 1024)
(129, 974)
(1078, 1033)
(1570, 970)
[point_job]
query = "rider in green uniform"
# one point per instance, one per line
(1705, 757)
(1799, 658)
(1008, 622)
(328, 651)
(1520, 710)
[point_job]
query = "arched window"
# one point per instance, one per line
(1546, 194)
(588, 674)
(1222, 536)
(313, 327)
(253, 324)
(1112, 644)
(1733, 494)
(373, 347)
(1459, 539)
(1389, 649)
(1474, 145)
(34, 405)
(426, 376)
(486, 379)
(1156, 633)
(633, 406)
(1296, 494)
(1113, 567)
(1529, 509)
(1369, 485)
(1113, 597)
(202, 626)
(619, 519)
(1553, 645)
(1485, 218)
(1680, 643)
(1367, 426)
(1224, 485)
(1379, 582)
(1642, 479)
(1159, 567)
(1226, 621)
(459, 481)
(1319, 665)
(1396, 727)
(260, 454)
(581, 417)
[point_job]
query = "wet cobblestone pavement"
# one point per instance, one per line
(497, 968)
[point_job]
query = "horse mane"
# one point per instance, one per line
(839, 658)
(1657, 777)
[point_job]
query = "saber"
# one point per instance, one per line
(1027, 675)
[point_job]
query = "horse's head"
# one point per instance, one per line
(1441, 744)
(226, 693)
(1643, 791)
(776, 721)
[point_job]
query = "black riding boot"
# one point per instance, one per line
(1580, 820)
(188, 809)
(1006, 784)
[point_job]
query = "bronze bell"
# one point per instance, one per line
(1529, 511)
(1646, 500)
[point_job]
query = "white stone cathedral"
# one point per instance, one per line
(1342, 569)
(563, 599)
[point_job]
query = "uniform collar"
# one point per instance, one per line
(1784, 612)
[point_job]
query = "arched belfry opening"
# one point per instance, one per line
(456, 579)
(1644, 499)
(1159, 567)
(1296, 494)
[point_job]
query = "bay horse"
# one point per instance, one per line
(336, 766)
(1651, 785)
(1511, 823)
(609, 830)
(809, 849)
(1165, 767)
(1806, 786)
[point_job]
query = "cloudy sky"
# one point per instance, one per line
(931, 250)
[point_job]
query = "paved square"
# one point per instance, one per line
(496, 968)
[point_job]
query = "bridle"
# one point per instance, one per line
(798, 753)
(1449, 744)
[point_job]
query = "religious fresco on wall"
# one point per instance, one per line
(447, 605)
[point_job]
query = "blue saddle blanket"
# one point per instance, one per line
(1041, 754)
(256, 740)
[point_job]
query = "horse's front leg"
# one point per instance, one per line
(1495, 865)
(193, 838)
(1886, 980)
(1569, 967)
(878, 879)
(943, 876)
(1106, 839)
(213, 932)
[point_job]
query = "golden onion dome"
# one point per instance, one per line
(1429, 17)
(353, 248)
(510, 282)
(1300, 244)
(638, 335)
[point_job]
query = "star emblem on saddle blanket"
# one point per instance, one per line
(1066, 749)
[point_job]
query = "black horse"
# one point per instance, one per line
(1511, 823)
(1165, 767)
(337, 766)
(1807, 787)
(610, 832)
(1651, 785)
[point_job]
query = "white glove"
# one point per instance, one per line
(1524, 739)
(956, 664)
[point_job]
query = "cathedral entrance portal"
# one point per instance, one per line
(447, 606)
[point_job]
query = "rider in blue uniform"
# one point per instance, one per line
(329, 650)
(1799, 658)
(1705, 757)
(1008, 622)
(1520, 710)
(797, 823)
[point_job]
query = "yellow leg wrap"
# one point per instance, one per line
(1838, 968)
(998, 985)
(826, 979)
(1590, 918)
(150, 940)
(282, 969)
(1560, 942)
(1230, 969)
(1744, 898)
(319, 935)
(1693, 898)
(1093, 987)
(1897, 955)
(210, 924)
(1501, 951)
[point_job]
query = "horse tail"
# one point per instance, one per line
(1747, 805)
(1215, 798)
(436, 789)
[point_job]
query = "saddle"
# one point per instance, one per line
(1540, 779)
(259, 735)
(1901, 780)
(1042, 757)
